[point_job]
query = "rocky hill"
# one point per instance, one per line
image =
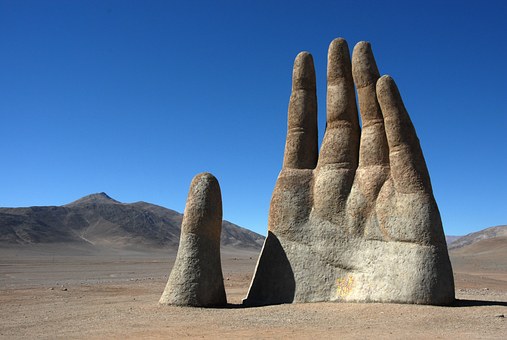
(451, 238)
(100, 220)
(488, 233)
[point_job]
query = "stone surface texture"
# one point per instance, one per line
(358, 221)
(196, 278)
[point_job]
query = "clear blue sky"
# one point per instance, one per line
(134, 98)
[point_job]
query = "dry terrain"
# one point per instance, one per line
(60, 291)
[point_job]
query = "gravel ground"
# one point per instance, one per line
(106, 296)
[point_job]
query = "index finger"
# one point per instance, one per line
(302, 139)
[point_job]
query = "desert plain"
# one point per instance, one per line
(68, 291)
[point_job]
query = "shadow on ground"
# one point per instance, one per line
(477, 303)
(457, 303)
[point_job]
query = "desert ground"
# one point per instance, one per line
(60, 291)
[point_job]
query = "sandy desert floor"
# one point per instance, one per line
(59, 292)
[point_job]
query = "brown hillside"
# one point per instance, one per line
(99, 220)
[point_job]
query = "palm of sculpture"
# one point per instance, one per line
(357, 222)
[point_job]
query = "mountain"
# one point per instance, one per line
(451, 238)
(481, 257)
(488, 233)
(100, 220)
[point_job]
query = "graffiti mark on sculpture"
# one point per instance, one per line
(344, 286)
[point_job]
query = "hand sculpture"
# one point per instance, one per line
(357, 222)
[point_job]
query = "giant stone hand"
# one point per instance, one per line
(357, 221)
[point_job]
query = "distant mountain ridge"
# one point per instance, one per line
(488, 233)
(101, 220)
(451, 238)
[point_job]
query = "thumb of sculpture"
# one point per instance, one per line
(196, 278)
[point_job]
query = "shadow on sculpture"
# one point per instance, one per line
(274, 280)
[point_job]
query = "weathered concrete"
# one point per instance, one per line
(359, 221)
(196, 278)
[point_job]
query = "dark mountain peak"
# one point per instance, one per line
(100, 195)
(98, 198)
